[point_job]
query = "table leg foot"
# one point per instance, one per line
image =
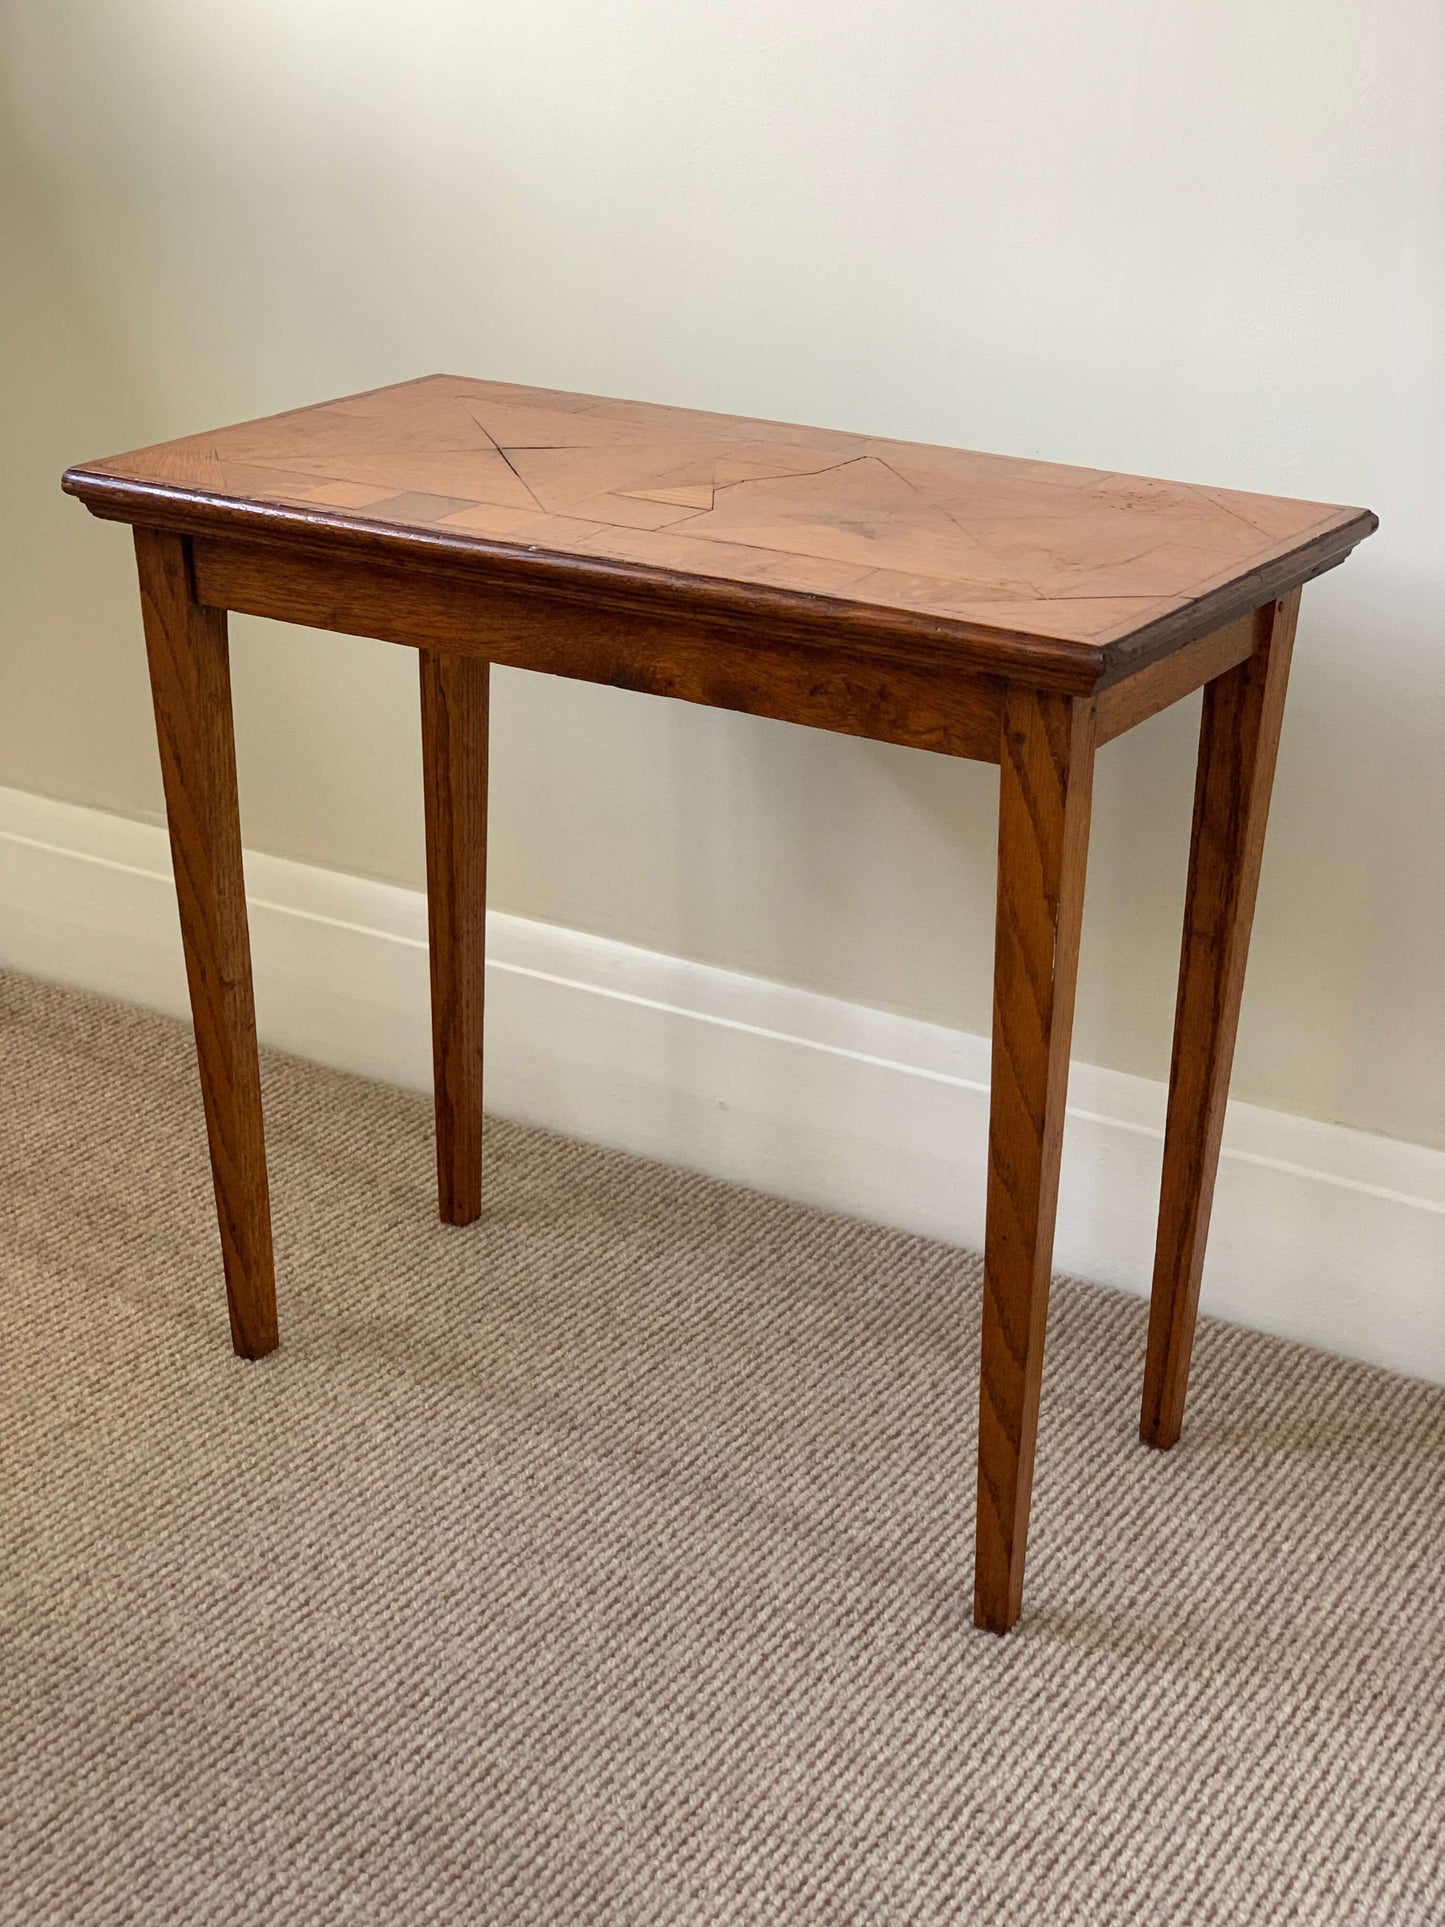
(1238, 738)
(191, 688)
(454, 692)
(1046, 772)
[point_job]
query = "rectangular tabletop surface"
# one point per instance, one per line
(940, 538)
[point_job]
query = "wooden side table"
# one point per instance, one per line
(1013, 611)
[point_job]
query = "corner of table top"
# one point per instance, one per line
(1138, 646)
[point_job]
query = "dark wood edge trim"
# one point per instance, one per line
(917, 640)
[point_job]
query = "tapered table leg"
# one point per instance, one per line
(1046, 774)
(1238, 738)
(454, 767)
(191, 687)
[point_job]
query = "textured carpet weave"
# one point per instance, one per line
(609, 1561)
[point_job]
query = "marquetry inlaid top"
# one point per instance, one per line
(947, 537)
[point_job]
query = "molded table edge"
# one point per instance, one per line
(915, 639)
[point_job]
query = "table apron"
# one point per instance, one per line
(761, 674)
(1143, 694)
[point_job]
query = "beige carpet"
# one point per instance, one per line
(609, 1561)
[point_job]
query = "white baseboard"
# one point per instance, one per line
(1324, 1234)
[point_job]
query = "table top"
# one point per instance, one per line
(719, 508)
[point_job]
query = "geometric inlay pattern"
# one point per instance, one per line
(1075, 554)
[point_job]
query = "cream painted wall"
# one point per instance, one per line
(1203, 240)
